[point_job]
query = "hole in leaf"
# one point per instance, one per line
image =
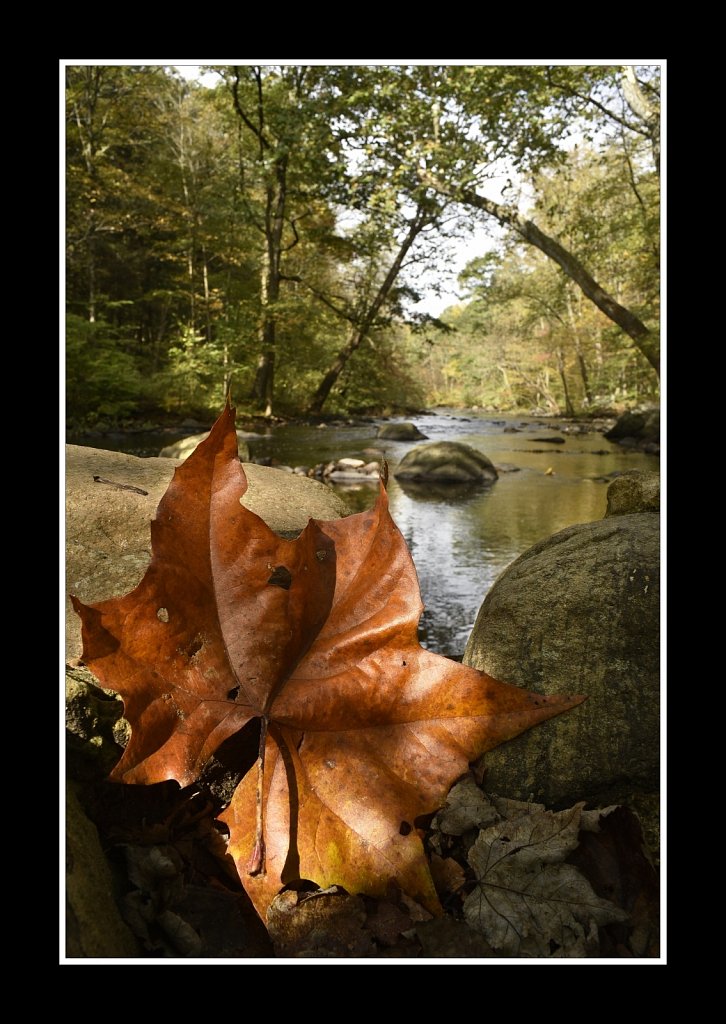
(405, 829)
(404, 664)
(321, 555)
(330, 763)
(194, 647)
(233, 693)
(281, 577)
(162, 615)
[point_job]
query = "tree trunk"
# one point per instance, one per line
(359, 332)
(275, 201)
(569, 409)
(91, 272)
(578, 349)
(644, 339)
(264, 385)
(263, 388)
(207, 310)
(643, 108)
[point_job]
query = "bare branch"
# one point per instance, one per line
(293, 224)
(322, 297)
(600, 106)
(257, 132)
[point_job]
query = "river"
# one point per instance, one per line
(460, 542)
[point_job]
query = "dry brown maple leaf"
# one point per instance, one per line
(362, 730)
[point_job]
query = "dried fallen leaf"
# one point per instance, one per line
(361, 730)
(527, 901)
(328, 924)
(448, 875)
(467, 806)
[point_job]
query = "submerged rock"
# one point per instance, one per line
(446, 461)
(349, 471)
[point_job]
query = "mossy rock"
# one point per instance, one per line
(400, 432)
(94, 927)
(578, 613)
(446, 461)
(636, 491)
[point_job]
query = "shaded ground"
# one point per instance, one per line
(180, 896)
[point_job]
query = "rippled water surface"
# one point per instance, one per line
(460, 540)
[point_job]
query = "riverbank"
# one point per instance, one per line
(178, 423)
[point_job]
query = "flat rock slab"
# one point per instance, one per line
(108, 542)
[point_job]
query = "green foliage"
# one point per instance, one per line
(528, 339)
(168, 258)
(193, 378)
(102, 378)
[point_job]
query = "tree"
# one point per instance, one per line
(474, 121)
(528, 325)
(369, 307)
(286, 112)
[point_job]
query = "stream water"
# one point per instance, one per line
(460, 539)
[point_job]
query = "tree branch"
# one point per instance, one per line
(642, 107)
(293, 224)
(636, 98)
(528, 230)
(264, 144)
(596, 103)
(322, 297)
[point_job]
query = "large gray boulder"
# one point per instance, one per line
(642, 426)
(183, 448)
(400, 432)
(446, 461)
(107, 527)
(579, 613)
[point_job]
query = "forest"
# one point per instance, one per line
(275, 234)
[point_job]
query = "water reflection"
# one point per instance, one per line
(453, 492)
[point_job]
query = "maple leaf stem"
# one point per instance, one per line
(257, 860)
